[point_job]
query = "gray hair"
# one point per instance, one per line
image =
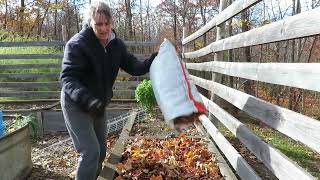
(98, 7)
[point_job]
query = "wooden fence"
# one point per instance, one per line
(301, 75)
(24, 84)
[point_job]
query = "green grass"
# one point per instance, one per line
(296, 151)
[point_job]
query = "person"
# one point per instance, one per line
(90, 66)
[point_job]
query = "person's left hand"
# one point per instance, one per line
(153, 55)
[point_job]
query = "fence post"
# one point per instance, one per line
(218, 56)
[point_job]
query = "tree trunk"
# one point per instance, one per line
(22, 7)
(248, 84)
(5, 14)
(141, 22)
(129, 19)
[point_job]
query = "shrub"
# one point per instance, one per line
(145, 97)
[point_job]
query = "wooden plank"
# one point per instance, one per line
(232, 10)
(32, 43)
(225, 170)
(29, 75)
(55, 100)
(142, 43)
(300, 75)
(29, 84)
(31, 56)
(281, 166)
(56, 74)
(62, 43)
(298, 26)
(53, 56)
(57, 84)
(297, 126)
(116, 154)
(127, 93)
(238, 163)
(28, 66)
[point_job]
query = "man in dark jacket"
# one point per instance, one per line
(90, 66)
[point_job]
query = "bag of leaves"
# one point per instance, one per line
(177, 96)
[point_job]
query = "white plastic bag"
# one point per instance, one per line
(176, 95)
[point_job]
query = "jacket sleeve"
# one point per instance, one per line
(131, 64)
(73, 70)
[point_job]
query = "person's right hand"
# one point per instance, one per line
(94, 107)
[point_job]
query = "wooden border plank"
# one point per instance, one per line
(297, 126)
(115, 157)
(225, 170)
(300, 75)
(232, 10)
(281, 166)
(239, 164)
(302, 25)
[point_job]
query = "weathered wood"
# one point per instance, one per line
(28, 66)
(140, 57)
(275, 161)
(62, 43)
(225, 170)
(297, 126)
(32, 43)
(56, 74)
(301, 75)
(232, 10)
(29, 75)
(142, 43)
(57, 84)
(54, 100)
(238, 163)
(127, 93)
(298, 26)
(31, 56)
(118, 148)
(15, 154)
(29, 84)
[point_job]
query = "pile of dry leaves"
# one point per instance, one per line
(170, 158)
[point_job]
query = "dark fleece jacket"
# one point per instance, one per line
(89, 69)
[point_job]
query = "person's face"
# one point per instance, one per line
(102, 27)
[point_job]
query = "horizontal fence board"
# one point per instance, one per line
(28, 66)
(238, 163)
(56, 74)
(232, 10)
(129, 93)
(53, 56)
(57, 84)
(300, 75)
(32, 43)
(297, 126)
(62, 43)
(29, 75)
(31, 56)
(142, 43)
(298, 26)
(278, 163)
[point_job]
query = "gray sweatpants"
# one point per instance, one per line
(88, 137)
